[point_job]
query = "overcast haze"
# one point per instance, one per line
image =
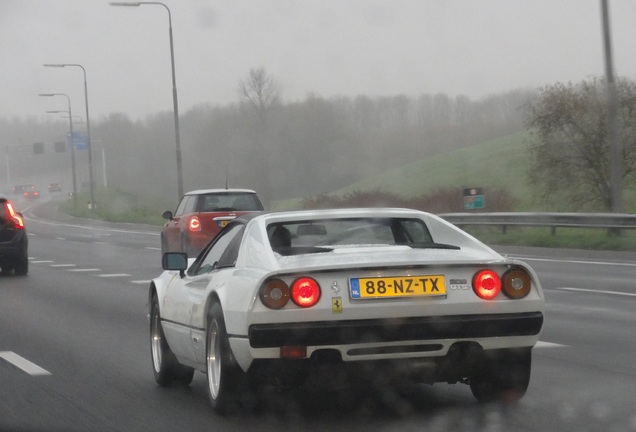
(321, 47)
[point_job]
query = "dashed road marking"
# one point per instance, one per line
(85, 270)
(615, 293)
(22, 363)
(141, 282)
(63, 265)
(109, 275)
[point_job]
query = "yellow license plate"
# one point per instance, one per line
(397, 286)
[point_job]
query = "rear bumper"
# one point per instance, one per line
(14, 247)
(395, 330)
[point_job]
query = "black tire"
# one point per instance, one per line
(225, 378)
(502, 376)
(167, 370)
(21, 267)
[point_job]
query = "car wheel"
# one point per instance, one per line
(225, 378)
(502, 377)
(167, 370)
(21, 265)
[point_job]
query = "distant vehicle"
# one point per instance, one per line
(18, 190)
(31, 192)
(395, 294)
(55, 187)
(13, 240)
(201, 214)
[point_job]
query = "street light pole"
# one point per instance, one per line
(88, 131)
(174, 89)
(613, 139)
(70, 121)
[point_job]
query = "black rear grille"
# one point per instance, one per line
(394, 330)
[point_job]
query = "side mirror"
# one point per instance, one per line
(175, 261)
(167, 215)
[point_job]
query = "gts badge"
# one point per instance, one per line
(459, 284)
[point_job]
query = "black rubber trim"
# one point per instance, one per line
(394, 329)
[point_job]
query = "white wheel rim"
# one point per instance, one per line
(214, 359)
(155, 342)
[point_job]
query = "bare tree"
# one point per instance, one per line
(260, 92)
(571, 153)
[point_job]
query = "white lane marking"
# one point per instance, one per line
(60, 238)
(85, 270)
(63, 265)
(42, 261)
(152, 248)
(114, 275)
(542, 344)
(141, 282)
(22, 363)
(617, 293)
(100, 243)
(89, 227)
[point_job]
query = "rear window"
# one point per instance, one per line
(231, 201)
(341, 232)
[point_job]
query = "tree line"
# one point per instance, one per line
(313, 146)
(297, 149)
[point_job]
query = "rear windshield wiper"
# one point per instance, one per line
(300, 250)
(432, 246)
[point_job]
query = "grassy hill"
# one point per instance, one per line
(497, 164)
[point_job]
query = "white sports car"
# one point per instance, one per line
(377, 292)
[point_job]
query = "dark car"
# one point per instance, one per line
(201, 214)
(13, 240)
(31, 192)
(55, 187)
(18, 190)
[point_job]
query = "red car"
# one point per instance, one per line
(201, 214)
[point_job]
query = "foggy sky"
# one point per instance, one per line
(321, 47)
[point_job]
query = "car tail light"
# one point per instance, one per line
(195, 224)
(305, 292)
(274, 294)
(293, 352)
(15, 217)
(516, 283)
(486, 284)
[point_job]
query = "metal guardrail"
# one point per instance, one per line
(553, 220)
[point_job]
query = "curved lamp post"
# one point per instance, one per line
(70, 122)
(88, 130)
(174, 88)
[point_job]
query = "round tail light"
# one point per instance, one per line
(195, 224)
(274, 294)
(305, 292)
(516, 283)
(486, 284)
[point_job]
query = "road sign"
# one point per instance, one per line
(474, 198)
(79, 139)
